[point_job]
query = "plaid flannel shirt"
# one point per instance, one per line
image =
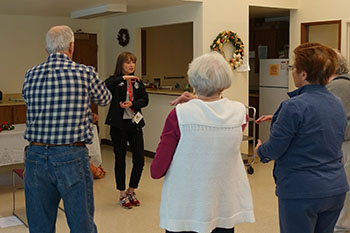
(58, 93)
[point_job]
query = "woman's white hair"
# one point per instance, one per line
(58, 39)
(210, 74)
(343, 66)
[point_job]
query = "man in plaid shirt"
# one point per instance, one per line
(58, 94)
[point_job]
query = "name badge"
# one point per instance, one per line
(137, 118)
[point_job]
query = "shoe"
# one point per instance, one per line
(125, 202)
(133, 199)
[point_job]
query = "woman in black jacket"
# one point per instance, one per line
(126, 121)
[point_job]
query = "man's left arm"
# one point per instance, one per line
(99, 93)
(24, 88)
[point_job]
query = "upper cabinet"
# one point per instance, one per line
(273, 36)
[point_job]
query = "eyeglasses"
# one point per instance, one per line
(291, 67)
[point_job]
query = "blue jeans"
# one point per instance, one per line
(52, 173)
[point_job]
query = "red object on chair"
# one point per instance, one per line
(20, 174)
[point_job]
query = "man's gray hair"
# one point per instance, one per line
(209, 74)
(58, 39)
(343, 66)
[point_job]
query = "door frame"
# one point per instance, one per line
(304, 29)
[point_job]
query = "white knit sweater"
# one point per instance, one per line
(206, 185)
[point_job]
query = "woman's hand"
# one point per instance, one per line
(131, 78)
(264, 118)
(185, 97)
(258, 144)
(125, 104)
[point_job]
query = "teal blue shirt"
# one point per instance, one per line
(306, 135)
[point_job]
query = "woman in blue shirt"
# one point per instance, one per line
(305, 141)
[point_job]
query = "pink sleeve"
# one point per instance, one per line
(247, 120)
(166, 147)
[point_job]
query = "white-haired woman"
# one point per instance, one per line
(205, 188)
(339, 85)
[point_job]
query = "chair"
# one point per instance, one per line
(20, 174)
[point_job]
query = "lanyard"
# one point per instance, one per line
(129, 89)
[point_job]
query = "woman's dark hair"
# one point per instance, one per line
(123, 57)
(317, 60)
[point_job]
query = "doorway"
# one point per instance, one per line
(165, 62)
(85, 52)
(268, 39)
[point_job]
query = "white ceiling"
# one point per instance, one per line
(63, 8)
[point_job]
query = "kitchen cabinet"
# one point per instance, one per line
(274, 35)
(14, 114)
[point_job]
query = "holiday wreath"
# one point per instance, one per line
(123, 37)
(230, 37)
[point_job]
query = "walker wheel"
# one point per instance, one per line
(250, 170)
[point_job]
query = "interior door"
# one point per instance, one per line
(85, 52)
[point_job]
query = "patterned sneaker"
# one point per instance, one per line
(125, 202)
(133, 199)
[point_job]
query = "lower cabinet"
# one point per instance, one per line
(15, 114)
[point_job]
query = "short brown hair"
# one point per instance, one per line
(317, 60)
(123, 57)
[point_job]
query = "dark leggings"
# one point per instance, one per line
(216, 230)
(120, 137)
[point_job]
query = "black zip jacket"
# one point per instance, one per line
(118, 87)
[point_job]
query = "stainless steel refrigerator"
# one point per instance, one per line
(273, 88)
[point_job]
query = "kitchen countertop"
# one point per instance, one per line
(11, 100)
(178, 93)
(164, 91)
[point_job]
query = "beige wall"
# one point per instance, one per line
(318, 10)
(209, 19)
(134, 23)
(169, 51)
(22, 45)
(230, 15)
(234, 15)
(324, 34)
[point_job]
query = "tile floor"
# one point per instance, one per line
(110, 217)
